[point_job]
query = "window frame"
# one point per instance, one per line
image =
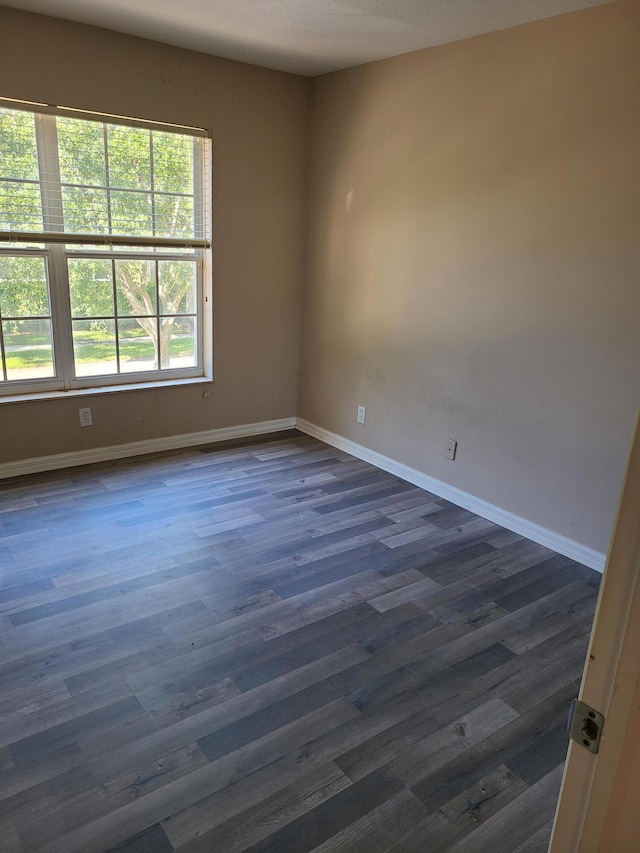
(58, 248)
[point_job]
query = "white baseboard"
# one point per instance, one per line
(555, 541)
(138, 448)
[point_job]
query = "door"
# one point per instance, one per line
(598, 809)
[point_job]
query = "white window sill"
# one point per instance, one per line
(102, 389)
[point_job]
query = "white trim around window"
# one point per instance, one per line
(105, 252)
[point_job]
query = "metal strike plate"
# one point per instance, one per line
(585, 725)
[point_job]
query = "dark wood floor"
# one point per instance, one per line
(276, 647)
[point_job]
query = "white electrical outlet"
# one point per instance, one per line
(85, 417)
(450, 450)
(362, 411)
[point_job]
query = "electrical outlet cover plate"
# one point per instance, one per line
(361, 414)
(450, 451)
(85, 417)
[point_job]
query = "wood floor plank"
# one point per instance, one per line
(150, 840)
(189, 830)
(113, 751)
(379, 828)
(9, 838)
(271, 645)
(135, 816)
(62, 734)
(446, 745)
(14, 780)
(482, 800)
(517, 820)
(440, 785)
(459, 817)
(333, 815)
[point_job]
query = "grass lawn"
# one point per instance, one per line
(94, 346)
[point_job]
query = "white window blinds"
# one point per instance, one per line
(86, 179)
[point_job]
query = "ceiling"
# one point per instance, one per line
(307, 37)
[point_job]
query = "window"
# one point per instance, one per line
(104, 250)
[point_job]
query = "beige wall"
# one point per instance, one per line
(259, 124)
(473, 258)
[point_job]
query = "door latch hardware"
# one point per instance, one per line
(585, 725)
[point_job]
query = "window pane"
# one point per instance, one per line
(174, 216)
(18, 153)
(178, 341)
(130, 213)
(28, 349)
(94, 347)
(85, 211)
(90, 288)
(23, 287)
(129, 157)
(136, 287)
(172, 162)
(137, 344)
(81, 152)
(177, 287)
(20, 206)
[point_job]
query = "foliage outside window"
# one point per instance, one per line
(104, 231)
